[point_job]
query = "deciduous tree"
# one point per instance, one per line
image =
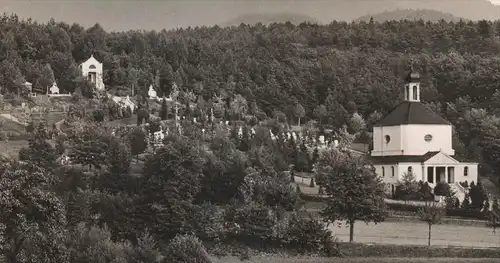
(432, 214)
(32, 222)
(355, 192)
(170, 182)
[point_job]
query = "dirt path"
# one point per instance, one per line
(413, 233)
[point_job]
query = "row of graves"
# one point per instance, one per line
(299, 137)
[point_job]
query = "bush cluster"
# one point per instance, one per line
(261, 228)
(450, 211)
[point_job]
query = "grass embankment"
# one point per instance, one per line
(276, 259)
(355, 252)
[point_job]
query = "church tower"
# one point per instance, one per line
(411, 128)
(414, 139)
(412, 87)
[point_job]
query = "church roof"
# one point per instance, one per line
(394, 159)
(411, 112)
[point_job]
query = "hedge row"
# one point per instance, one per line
(379, 250)
(458, 212)
(312, 198)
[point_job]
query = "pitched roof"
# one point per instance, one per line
(409, 112)
(403, 158)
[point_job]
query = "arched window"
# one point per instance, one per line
(415, 93)
(383, 171)
(466, 171)
(392, 170)
(410, 169)
(92, 67)
(407, 93)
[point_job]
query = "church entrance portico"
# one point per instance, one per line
(437, 174)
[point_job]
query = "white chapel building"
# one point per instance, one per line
(93, 71)
(412, 138)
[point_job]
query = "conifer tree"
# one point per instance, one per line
(164, 110)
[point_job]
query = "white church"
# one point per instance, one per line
(93, 71)
(412, 138)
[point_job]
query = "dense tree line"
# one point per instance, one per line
(332, 71)
(164, 205)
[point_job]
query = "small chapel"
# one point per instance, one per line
(414, 139)
(92, 70)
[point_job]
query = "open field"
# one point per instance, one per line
(276, 259)
(413, 233)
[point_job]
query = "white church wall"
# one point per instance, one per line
(413, 139)
(387, 176)
(381, 147)
(416, 168)
(470, 176)
(399, 170)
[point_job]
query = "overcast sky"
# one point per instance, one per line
(159, 14)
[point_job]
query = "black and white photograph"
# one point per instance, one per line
(257, 131)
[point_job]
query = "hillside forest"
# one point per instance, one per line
(333, 71)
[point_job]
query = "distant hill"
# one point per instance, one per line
(411, 14)
(270, 18)
(173, 14)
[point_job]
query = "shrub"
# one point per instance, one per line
(312, 198)
(95, 245)
(208, 222)
(186, 248)
(455, 212)
(250, 224)
(312, 182)
(308, 235)
(442, 189)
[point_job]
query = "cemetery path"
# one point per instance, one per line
(416, 233)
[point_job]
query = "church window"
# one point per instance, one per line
(92, 67)
(410, 169)
(466, 171)
(428, 138)
(407, 93)
(392, 170)
(387, 139)
(415, 93)
(383, 171)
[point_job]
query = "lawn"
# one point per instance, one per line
(277, 259)
(12, 147)
(416, 233)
